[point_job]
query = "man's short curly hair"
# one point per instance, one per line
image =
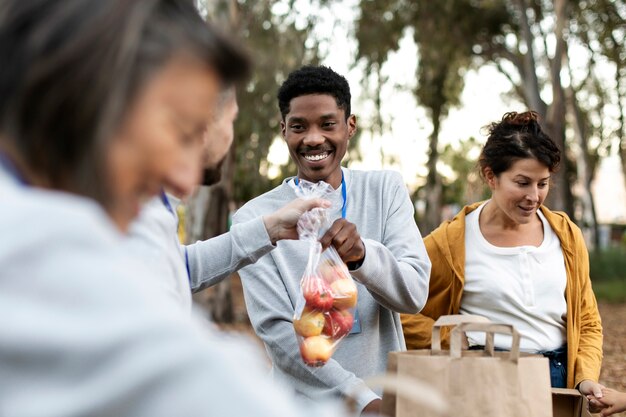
(314, 80)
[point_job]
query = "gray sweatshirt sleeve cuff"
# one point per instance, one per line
(368, 268)
(363, 397)
(253, 238)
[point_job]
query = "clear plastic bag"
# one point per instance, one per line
(324, 311)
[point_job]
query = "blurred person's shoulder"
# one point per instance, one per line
(65, 244)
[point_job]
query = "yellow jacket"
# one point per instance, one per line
(446, 250)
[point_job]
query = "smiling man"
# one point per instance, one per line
(373, 231)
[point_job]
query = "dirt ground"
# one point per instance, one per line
(614, 365)
(613, 321)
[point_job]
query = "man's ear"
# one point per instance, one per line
(283, 128)
(351, 126)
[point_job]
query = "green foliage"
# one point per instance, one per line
(278, 41)
(608, 264)
(445, 32)
(608, 274)
(278, 45)
(610, 291)
(464, 186)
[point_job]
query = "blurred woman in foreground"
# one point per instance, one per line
(514, 261)
(97, 101)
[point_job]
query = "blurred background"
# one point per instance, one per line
(426, 77)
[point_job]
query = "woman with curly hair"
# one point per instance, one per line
(514, 261)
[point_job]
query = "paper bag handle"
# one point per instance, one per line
(490, 329)
(451, 320)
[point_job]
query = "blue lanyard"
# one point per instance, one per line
(344, 194)
(166, 202)
(12, 169)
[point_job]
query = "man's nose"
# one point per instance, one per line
(314, 137)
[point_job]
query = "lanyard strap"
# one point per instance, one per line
(344, 194)
(166, 202)
(10, 167)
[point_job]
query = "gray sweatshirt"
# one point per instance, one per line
(392, 279)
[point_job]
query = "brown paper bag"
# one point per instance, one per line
(476, 383)
(569, 403)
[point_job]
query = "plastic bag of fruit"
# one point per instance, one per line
(324, 311)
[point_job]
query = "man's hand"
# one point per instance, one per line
(282, 223)
(346, 239)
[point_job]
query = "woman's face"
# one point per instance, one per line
(519, 191)
(163, 126)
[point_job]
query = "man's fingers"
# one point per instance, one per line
(330, 234)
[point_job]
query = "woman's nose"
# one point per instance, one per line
(533, 195)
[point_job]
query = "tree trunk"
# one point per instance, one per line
(209, 209)
(585, 170)
(528, 68)
(560, 197)
(433, 188)
(621, 144)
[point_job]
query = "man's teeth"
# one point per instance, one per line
(316, 157)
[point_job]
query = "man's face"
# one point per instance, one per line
(218, 138)
(164, 126)
(317, 134)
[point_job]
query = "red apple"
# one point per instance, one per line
(338, 323)
(316, 350)
(344, 293)
(310, 323)
(317, 294)
(330, 272)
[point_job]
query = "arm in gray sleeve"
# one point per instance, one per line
(396, 271)
(212, 260)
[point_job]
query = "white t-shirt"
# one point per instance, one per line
(523, 286)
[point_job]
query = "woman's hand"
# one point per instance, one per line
(282, 223)
(593, 391)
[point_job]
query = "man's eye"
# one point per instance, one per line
(328, 124)
(296, 127)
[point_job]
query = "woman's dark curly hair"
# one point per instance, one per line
(517, 136)
(314, 80)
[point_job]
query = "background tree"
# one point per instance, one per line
(278, 42)
(444, 32)
(528, 41)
